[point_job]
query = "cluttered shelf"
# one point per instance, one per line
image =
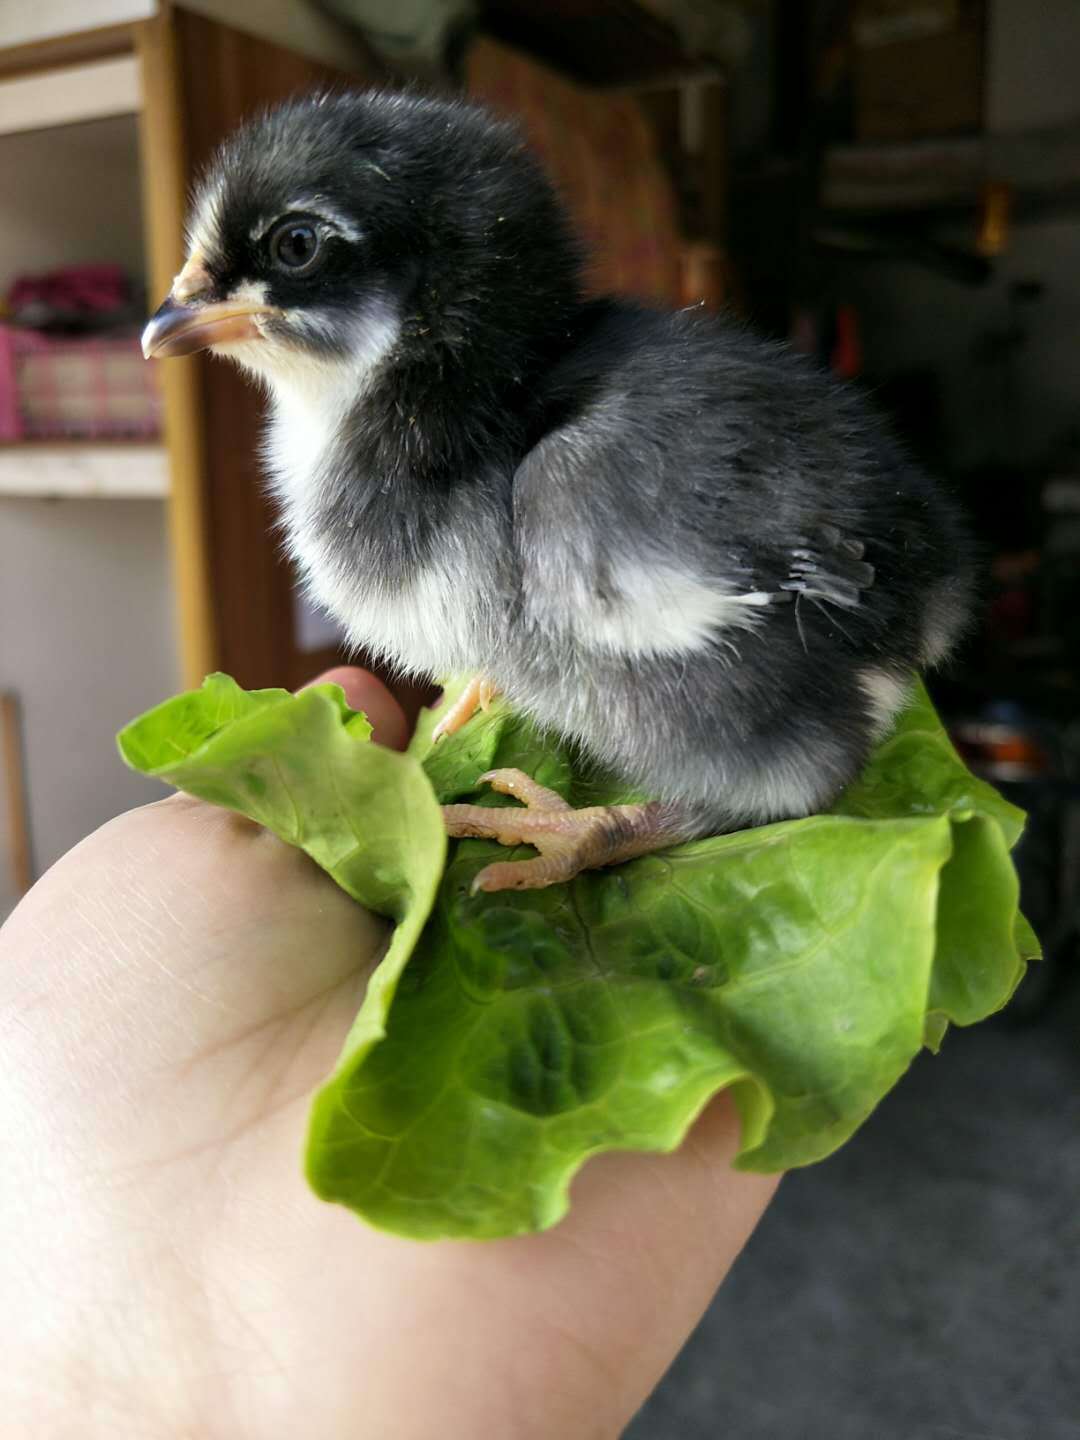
(80, 410)
(87, 469)
(1039, 168)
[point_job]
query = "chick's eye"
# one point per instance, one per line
(295, 246)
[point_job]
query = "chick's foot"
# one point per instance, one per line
(568, 840)
(477, 695)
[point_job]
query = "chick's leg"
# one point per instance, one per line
(477, 695)
(568, 840)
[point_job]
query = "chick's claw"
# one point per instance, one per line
(477, 695)
(568, 840)
(530, 792)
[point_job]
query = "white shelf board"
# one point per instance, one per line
(26, 22)
(84, 470)
(70, 93)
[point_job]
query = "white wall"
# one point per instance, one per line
(86, 641)
(70, 195)
(86, 624)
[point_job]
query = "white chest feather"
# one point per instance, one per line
(297, 440)
(428, 624)
(432, 625)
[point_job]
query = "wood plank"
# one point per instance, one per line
(66, 50)
(84, 470)
(226, 76)
(68, 94)
(35, 22)
(13, 772)
(298, 27)
(166, 175)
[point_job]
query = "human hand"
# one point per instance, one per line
(170, 994)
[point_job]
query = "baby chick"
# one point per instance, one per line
(678, 545)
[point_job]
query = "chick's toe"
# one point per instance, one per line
(568, 840)
(477, 695)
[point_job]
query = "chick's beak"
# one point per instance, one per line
(181, 329)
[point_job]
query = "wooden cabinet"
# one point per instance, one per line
(235, 590)
(129, 571)
(180, 78)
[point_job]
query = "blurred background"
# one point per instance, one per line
(892, 186)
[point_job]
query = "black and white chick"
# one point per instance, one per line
(678, 545)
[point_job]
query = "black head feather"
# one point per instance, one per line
(443, 212)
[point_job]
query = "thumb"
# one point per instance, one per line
(366, 692)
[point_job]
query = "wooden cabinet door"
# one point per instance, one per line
(234, 587)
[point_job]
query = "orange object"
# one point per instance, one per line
(704, 275)
(995, 217)
(847, 356)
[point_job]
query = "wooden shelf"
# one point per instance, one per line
(40, 31)
(70, 94)
(103, 470)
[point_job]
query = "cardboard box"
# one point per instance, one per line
(919, 68)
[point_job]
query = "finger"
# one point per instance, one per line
(366, 692)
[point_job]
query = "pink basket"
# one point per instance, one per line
(89, 387)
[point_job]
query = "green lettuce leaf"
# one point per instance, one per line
(302, 766)
(802, 964)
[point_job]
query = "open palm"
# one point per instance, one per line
(170, 995)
